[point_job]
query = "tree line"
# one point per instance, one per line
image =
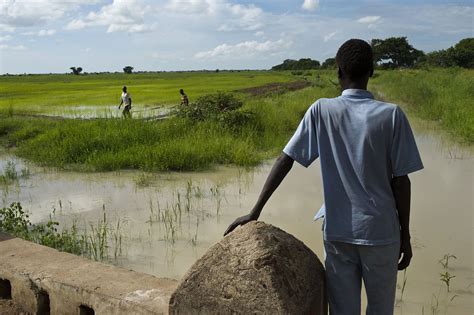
(397, 52)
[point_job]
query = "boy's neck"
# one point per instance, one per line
(354, 85)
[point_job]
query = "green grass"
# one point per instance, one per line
(441, 95)
(45, 93)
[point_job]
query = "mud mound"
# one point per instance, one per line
(257, 269)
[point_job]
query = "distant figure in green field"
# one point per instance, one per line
(184, 98)
(127, 100)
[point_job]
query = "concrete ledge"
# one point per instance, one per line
(46, 281)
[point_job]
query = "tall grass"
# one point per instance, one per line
(441, 95)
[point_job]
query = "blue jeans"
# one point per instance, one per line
(348, 264)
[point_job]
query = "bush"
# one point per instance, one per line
(210, 106)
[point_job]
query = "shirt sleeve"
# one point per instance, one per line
(405, 157)
(303, 146)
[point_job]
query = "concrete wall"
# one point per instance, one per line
(45, 281)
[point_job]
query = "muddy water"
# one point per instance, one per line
(442, 216)
(103, 111)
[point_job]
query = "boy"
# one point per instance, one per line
(366, 149)
(184, 98)
(127, 100)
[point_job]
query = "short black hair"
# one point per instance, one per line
(124, 89)
(355, 58)
(181, 91)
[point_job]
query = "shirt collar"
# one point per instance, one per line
(357, 93)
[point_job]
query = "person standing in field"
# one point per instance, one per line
(367, 149)
(184, 98)
(126, 100)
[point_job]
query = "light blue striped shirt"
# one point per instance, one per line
(362, 144)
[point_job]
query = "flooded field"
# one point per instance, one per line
(168, 220)
(101, 111)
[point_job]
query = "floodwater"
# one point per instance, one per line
(442, 220)
(102, 111)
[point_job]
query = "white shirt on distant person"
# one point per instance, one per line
(126, 98)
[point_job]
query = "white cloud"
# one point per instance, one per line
(10, 47)
(191, 6)
(259, 34)
(327, 37)
(119, 16)
(369, 19)
(23, 13)
(310, 5)
(5, 38)
(41, 33)
(236, 16)
(243, 49)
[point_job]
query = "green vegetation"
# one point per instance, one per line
(395, 52)
(461, 55)
(441, 95)
(95, 244)
(302, 64)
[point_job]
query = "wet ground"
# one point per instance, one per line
(203, 204)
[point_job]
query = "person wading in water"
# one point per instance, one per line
(127, 100)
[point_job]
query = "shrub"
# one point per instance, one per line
(210, 106)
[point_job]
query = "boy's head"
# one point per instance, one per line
(124, 89)
(181, 91)
(355, 60)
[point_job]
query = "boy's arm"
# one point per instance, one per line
(401, 188)
(279, 171)
(121, 102)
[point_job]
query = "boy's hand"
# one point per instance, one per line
(239, 221)
(406, 251)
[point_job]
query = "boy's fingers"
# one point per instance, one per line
(405, 262)
(230, 229)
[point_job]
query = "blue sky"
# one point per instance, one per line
(42, 36)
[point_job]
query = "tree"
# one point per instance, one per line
(329, 63)
(128, 69)
(460, 55)
(464, 53)
(76, 71)
(302, 64)
(395, 52)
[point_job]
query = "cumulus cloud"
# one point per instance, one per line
(23, 13)
(310, 5)
(369, 19)
(244, 49)
(41, 33)
(119, 16)
(191, 6)
(237, 16)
